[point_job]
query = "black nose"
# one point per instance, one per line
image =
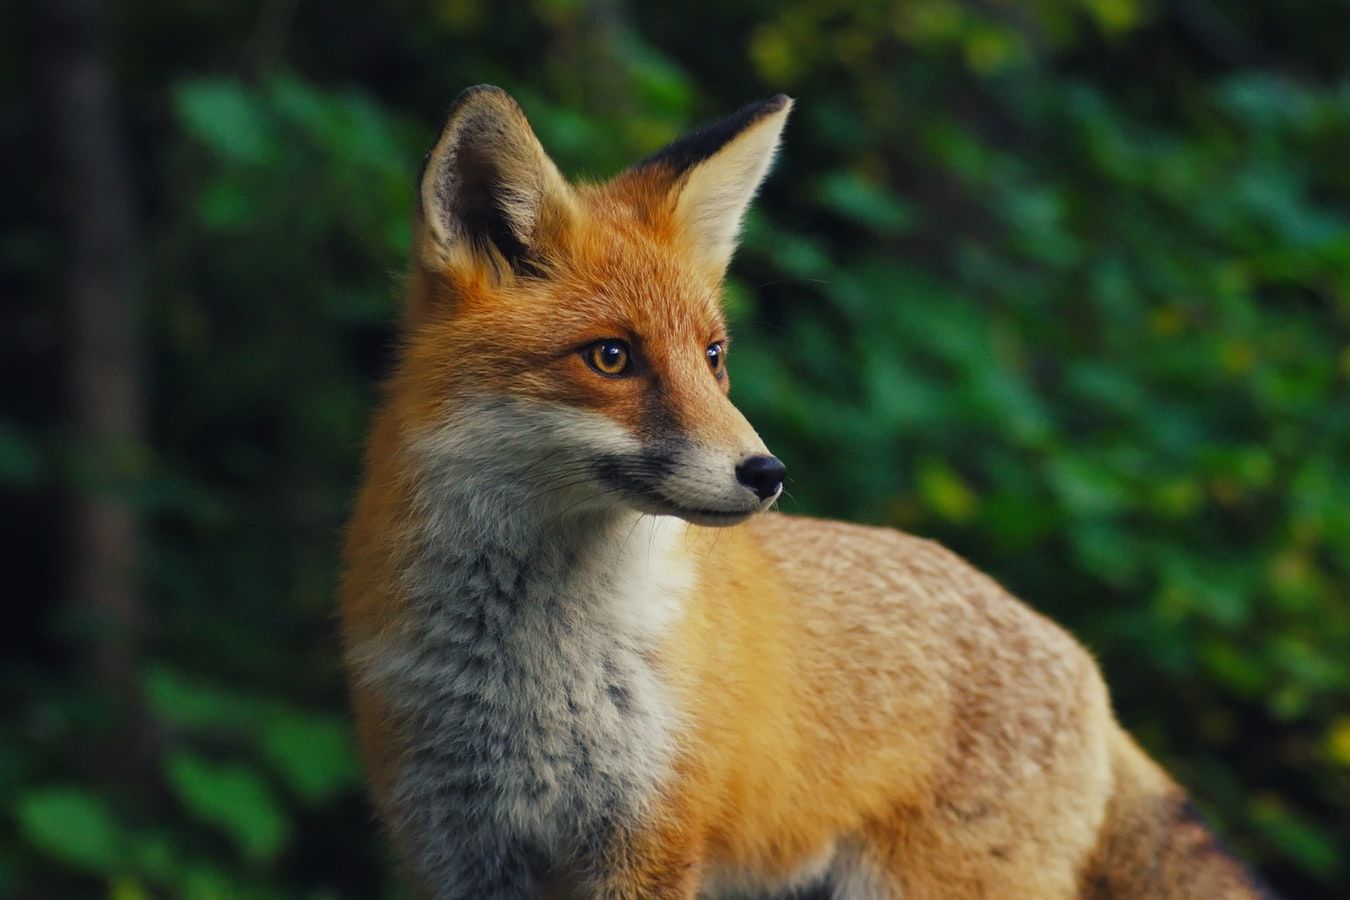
(762, 474)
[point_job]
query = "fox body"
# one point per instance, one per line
(584, 659)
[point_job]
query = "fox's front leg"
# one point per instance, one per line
(665, 884)
(451, 862)
(663, 861)
(446, 839)
(664, 879)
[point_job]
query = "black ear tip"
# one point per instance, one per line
(703, 142)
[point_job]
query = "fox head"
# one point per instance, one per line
(566, 344)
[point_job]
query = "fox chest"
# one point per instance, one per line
(538, 711)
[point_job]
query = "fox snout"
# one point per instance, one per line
(697, 483)
(716, 469)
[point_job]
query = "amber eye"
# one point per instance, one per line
(717, 358)
(609, 357)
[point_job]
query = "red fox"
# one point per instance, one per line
(586, 660)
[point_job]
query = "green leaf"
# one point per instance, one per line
(227, 117)
(945, 492)
(1085, 486)
(226, 204)
(233, 798)
(864, 203)
(313, 753)
(196, 706)
(206, 882)
(154, 855)
(71, 825)
(128, 889)
(660, 83)
(1298, 837)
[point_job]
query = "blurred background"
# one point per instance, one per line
(1064, 284)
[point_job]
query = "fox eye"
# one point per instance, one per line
(717, 357)
(609, 357)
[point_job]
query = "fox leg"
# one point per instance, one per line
(677, 881)
(449, 848)
(499, 873)
(661, 860)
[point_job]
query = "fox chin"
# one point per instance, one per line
(585, 658)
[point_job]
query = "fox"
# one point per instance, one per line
(587, 659)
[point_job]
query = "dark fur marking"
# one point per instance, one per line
(659, 416)
(618, 694)
(639, 473)
(701, 143)
(620, 697)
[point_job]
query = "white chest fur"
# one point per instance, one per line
(526, 667)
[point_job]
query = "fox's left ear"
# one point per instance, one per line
(714, 173)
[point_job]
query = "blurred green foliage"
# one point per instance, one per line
(1064, 284)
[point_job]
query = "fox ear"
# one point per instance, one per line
(489, 193)
(715, 173)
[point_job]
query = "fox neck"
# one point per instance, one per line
(526, 655)
(494, 527)
(519, 505)
(622, 569)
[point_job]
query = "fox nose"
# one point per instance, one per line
(761, 474)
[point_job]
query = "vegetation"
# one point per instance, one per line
(1063, 284)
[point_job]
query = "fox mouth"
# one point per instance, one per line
(705, 516)
(640, 479)
(661, 504)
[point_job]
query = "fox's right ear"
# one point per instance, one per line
(490, 197)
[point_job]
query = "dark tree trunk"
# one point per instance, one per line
(104, 369)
